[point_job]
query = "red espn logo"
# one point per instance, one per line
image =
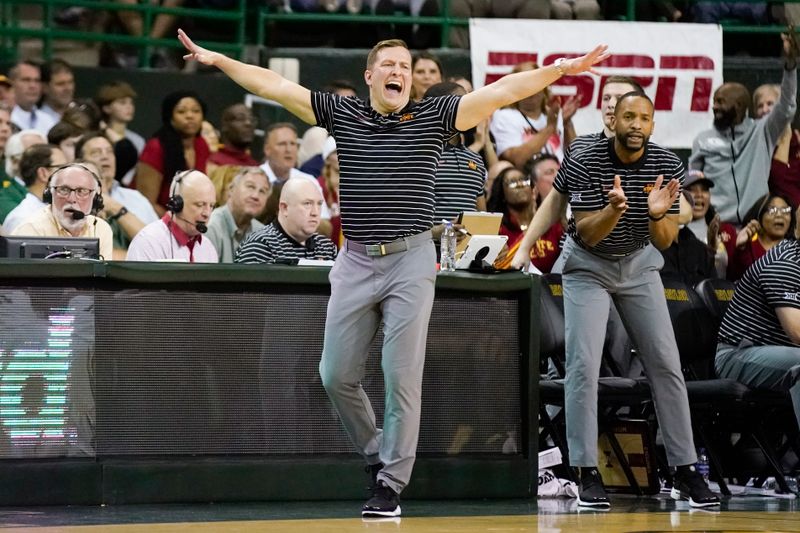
(585, 83)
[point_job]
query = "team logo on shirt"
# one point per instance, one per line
(793, 296)
(575, 197)
(406, 117)
(649, 187)
(472, 165)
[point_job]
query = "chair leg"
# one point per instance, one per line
(761, 440)
(623, 462)
(713, 457)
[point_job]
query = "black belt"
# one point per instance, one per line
(399, 245)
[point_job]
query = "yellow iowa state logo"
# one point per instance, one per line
(406, 117)
(472, 165)
(649, 187)
(676, 295)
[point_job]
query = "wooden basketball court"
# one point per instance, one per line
(628, 514)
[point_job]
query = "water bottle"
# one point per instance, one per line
(702, 464)
(448, 261)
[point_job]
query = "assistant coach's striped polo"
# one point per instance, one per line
(459, 182)
(772, 281)
(587, 176)
(387, 163)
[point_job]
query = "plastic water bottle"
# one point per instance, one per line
(702, 464)
(448, 260)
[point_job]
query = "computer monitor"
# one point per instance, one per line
(20, 247)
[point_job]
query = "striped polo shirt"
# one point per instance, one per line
(459, 182)
(588, 175)
(579, 143)
(387, 163)
(772, 281)
(271, 244)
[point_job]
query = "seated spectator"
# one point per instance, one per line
(293, 235)
(233, 222)
(280, 160)
(718, 236)
(35, 167)
(126, 210)
(16, 144)
(759, 339)
(65, 135)
(771, 223)
(221, 177)
(5, 133)
(649, 10)
(513, 196)
(178, 235)
(491, 175)
(176, 146)
(533, 125)
(688, 258)
(26, 81)
(58, 84)
(418, 35)
(736, 153)
(715, 11)
(426, 71)
(117, 103)
(238, 129)
(74, 192)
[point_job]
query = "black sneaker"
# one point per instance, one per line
(384, 502)
(592, 493)
(373, 470)
(691, 486)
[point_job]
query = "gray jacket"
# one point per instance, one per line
(738, 161)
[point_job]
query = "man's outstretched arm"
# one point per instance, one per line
(480, 104)
(257, 80)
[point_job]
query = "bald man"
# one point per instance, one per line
(178, 235)
(736, 154)
(293, 235)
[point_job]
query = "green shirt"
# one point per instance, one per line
(11, 194)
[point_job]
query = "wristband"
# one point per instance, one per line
(655, 219)
(559, 64)
(122, 212)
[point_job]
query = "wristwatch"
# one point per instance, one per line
(560, 67)
(121, 213)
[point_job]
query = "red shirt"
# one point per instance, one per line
(230, 155)
(180, 236)
(153, 155)
(544, 252)
(784, 178)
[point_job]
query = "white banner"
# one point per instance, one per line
(679, 66)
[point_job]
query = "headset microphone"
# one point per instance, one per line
(75, 214)
(199, 226)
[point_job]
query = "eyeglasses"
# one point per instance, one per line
(774, 210)
(518, 183)
(62, 191)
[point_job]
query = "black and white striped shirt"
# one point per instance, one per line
(587, 176)
(772, 281)
(459, 182)
(579, 143)
(388, 163)
(271, 244)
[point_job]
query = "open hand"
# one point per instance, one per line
(616, 196)
(712, 238)
(660, 198)
(747, 233)
(569, 107)
(198, 53)
(791, 49)
(586, 62)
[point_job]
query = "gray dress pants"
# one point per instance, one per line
(398, 289)
(634, 285)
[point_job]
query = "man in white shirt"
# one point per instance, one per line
(27, 82)
(280, 154)
(58, 85)
(35, 168)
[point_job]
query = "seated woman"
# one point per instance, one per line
(426, 71)
(176, 146)
(513, 196)
(772, 222)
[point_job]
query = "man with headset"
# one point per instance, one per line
(178, 235)
(73, 193)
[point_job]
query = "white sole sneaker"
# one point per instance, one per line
(676, 494)
(381, 514)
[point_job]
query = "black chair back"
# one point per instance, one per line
(716, 294)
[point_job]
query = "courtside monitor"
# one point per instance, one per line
(20, 247)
